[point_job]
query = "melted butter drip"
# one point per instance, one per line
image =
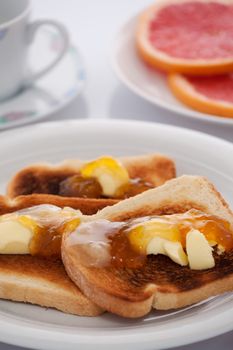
(91, 241)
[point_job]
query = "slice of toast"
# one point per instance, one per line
(87, 206)
(46, 178)
(38, 280)
(161, 283)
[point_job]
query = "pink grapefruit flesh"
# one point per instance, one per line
(211, 95)
(193, 30)
(215, 88)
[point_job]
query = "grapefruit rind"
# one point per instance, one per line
(170, 64)
(186, 93)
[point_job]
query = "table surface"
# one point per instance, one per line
(93, 25)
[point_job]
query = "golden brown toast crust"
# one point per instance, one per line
(175, 196)
(39, 280)
(45, 178)
(161, 282)
(86, 206)
(43, 282)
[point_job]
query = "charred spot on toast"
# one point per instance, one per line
(169, 277)
(26, 184)
(39, 181)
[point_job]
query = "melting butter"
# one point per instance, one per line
(16, 233)
(14, 238)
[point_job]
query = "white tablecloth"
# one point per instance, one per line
(93, 25)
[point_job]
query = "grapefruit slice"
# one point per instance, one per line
(188, 36)
(213, 95)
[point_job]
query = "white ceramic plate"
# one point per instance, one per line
(194, 153)
(50, 93)
(147, 82)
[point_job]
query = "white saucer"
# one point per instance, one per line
(50, 93)
(147, 82)
(40, 328)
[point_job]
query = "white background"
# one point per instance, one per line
(93, 25)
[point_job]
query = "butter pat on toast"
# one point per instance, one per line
(49, 179)
(39, 280)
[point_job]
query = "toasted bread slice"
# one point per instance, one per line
(42, 282)
(38, 280)
(87, 206)
(46, 178)
(161, 283)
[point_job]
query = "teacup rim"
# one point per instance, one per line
(17, 18)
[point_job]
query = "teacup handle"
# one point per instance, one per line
(32, 29)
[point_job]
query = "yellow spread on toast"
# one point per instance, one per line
(110, 173)
(37, 230)
(103, 177)
(187, 239)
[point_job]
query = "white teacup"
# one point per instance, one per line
(16, 35)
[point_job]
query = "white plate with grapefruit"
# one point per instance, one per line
(179, 56)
